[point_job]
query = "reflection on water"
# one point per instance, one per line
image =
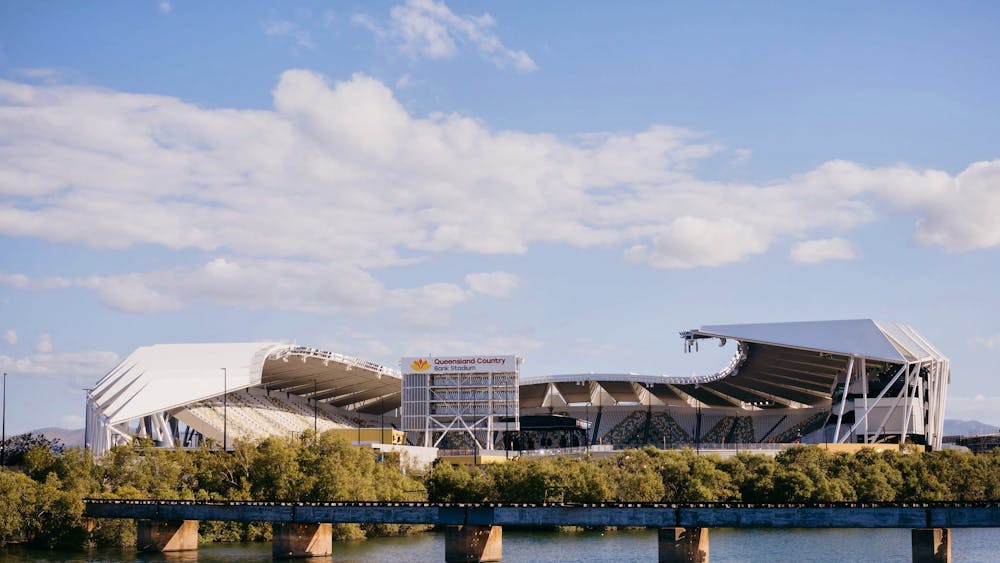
(968, 545)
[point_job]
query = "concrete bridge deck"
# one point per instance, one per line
(474, 530)
(652, 515)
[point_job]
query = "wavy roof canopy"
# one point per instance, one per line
(777, 365)
(162, 377)
(877, 340)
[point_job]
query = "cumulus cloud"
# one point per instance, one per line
(688, 242)
(300, 206)
(822, 250)
(961, 213)
(10, 336)
(425, 28)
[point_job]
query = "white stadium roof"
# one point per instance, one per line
(877, 340)
(158, 378)
(790, 364)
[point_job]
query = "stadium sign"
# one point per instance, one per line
(459, 364)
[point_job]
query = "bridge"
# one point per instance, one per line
(474, 531)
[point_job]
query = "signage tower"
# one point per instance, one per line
(461, 402)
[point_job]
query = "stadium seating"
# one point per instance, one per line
(256, 414)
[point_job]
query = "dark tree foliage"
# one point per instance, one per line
(42, 501)
(41, 497)
(16, 447)
(798, 474)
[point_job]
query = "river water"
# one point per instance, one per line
(968, 544)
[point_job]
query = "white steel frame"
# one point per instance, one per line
(102, 434)
(926, 375)
(437, 405)
(925, 383)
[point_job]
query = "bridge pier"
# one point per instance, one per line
(166, 535)
(473, 543)
(683, 544)
(931, 545)
(293, 540)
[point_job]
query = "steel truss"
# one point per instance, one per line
(918, 408)
(479, 405)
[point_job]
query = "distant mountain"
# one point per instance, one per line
(70, 438)
(967, 428)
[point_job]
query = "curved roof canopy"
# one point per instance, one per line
(162, 377)
(876, 340)
(777, 365)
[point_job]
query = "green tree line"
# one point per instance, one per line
(798, 474)
(41, 495)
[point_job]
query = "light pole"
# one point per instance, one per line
(315, 411)
(506, 417)
(225, 409)
(86, 418)
(3, 425)
(600, 413)
(697, 429)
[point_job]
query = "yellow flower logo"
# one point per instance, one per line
(420, 365)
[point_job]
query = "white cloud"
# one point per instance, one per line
(298, 207)
(284, 28)
(164, 6)
(494, 284)
(962, 211)
(689, 242)
(17, 281)
(10, 336)
(430, 29)
(822, 250)
(76, 368)
(43, 345)
(284, 284)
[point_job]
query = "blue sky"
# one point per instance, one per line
(571, 183)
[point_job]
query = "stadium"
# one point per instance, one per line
(833, 382)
